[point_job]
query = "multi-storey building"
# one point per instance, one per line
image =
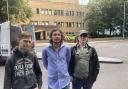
(67, 14)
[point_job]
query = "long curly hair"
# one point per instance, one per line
(54, 30)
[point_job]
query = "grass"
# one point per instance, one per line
(71, 36)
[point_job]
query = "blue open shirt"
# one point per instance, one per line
(56, 64)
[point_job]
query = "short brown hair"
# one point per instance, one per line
(25, 34)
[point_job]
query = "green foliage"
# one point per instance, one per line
(19, 10)
(106, 14)
(71, 36)
(3, 13)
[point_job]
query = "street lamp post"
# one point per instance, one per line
(7, 9)
(124, 21)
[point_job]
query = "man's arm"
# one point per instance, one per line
(8, 74)
(38, 72)
(44, 58)
(96, 64)
(68, 55)
(72, 62)
(96, 61)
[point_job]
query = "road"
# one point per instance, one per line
(111, 76)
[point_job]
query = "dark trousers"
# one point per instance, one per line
(34, 86)
(66, 87)
(78, 83)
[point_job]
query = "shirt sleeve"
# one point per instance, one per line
(72, 62)
(44, 58)
(68, 55)
(8, 74)
(38, 72)
(97, 61)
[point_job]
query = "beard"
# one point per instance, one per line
(25, 49)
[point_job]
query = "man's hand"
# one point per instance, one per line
(71, 78)
(36, 88)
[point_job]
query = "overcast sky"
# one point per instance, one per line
(83, 2)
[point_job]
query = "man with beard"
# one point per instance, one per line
(22, 70)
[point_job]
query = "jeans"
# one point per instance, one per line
(66, 87)
(79, 83)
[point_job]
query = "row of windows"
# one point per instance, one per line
(61, 24)
(59, 12)
(67, 33)
(69, 24)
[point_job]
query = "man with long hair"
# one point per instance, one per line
(56, 59)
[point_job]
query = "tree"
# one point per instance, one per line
(3, 13)
(94, 17)
(105, 15)
(19, 10)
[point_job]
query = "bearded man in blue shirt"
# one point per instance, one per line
(56, 58)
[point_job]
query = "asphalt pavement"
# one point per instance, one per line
(111, 75)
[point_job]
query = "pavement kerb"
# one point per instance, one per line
(41, 44)
(101, 60)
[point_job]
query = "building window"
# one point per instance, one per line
(77, 24)
(72, 24)
(45, 22)
(34, 22)
(55, 23)
(72, 13)
(43, 11)
(55, 12)
(77, 13)
(62, 12)
(58, 12)
(67, 13)
(80, 14)
(66, 24)
(48, 33)
(46, 11)
(83, 14)
(37, 10)
(50, 11)
(62, 24)
(66, 33)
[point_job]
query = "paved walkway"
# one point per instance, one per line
(101, 59)
(92, 39)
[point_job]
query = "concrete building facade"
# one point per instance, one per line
(67, 14)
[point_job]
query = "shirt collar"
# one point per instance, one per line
(50, 45)
(85, 46)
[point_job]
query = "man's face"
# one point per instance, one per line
(56, 37)
(83, 39)
(25, 44)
